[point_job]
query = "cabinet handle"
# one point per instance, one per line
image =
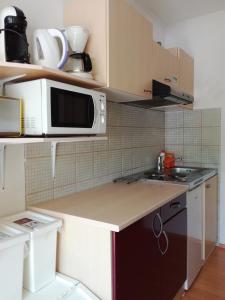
(208, 186)
(163, 252)
(175, 205)
(148, 91)
(157, 235)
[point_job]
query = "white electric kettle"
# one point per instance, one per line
(46, 50)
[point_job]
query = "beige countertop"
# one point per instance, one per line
(113, 206)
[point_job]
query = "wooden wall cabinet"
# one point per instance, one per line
(120, 44)
(186, 70)
(165, 66)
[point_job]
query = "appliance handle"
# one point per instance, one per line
(65, 52)
(163, 252)
(175, 205)
(157, 235)
(87, 62)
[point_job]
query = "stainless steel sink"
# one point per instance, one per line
(183, 172)
(185, 175)
(181, 175)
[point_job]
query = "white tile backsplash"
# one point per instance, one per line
(211, 118)
(38, 150)
(174, 136)
(101, 164)
(174, 119)
(136, 137)
(38, 175)
(193, 154)
(192, 136)
(198, 139)
(192, 119)
(84, 166)
(211, 136)
(68, 163)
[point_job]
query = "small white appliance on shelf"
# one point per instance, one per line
(57, 109)
(46, 49)
(13, 39)
(79, 62)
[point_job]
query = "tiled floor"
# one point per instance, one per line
(210, 284)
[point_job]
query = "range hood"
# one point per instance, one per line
(163, 95)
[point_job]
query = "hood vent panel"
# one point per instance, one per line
(163, 92)
(163, 95)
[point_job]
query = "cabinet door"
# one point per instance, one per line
(130, 50)
(173, 264)
(136, 274)
(165, 65)
(186, 66)
(186, 70)
(211, 215)
(92, 15)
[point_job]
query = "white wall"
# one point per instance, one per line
(12, 198)
(204, 38)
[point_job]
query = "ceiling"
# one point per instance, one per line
(172, 11)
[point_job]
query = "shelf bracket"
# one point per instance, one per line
(2, 165)
(53, 157)
(6, 80)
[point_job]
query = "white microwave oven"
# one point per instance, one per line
(55, 108)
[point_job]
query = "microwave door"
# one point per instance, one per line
(71, 112)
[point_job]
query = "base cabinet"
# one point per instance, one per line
(136, 274)
(173, 265)
(146, 260)
(149, 257)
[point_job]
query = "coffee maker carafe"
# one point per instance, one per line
(79, 62)
(13, 40)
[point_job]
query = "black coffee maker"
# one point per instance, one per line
(13, 40)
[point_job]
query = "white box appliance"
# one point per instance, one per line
(12, 251)
(40, 263)
(55, 108)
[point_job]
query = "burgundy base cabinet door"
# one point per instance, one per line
(147, 266)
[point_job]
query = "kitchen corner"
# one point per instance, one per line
(100, 217)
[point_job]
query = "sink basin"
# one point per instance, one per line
(183, 172)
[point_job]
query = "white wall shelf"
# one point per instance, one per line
(15, 72)
(54, 143)
(24, 72)
(33, 140)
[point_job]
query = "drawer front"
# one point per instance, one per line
(173, 207)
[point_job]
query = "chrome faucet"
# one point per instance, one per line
(160, 165)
